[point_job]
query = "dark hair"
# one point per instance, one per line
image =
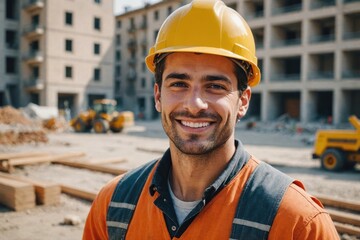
(159, 70)
(239, 73)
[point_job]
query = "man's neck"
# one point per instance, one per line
(192, 174)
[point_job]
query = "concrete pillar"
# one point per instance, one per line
(339, 105)
(305, 55)
(304, 108)
(263, 109)
(339, 19)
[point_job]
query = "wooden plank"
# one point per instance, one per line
(339, 203)
(107, 161)
(9, 164)
(93, 167)
(159, 151)
(46, 193)
(5, 156)
(16, 195)
(344, 228)
(79, 193)
(344, 217)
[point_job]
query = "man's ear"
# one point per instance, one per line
(244, 102)
(157, 96)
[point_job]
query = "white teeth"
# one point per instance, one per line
(195, 125)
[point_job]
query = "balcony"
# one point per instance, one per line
(286, 35)
(34, 84)
(285, 77)
(144, 43)
(143, 25)
(33, 5)
(132, 61)
(285, 69)
(33, 57)
(254, 15)
(259, 37)
(321, 75)
(351, 1)
(253, 9)
(321, 66)
(322, 3)
(132, 29)
(286, 42)
(322, 38)
(351, 26)
(322, 30)
(351, 35)
(351, 74)
(287, 9)
(132, 45)
(33, 30)
(12, 45)
(131, 76)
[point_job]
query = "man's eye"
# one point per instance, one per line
(217, 86)
(178, 84)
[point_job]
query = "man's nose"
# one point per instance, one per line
(195, 101)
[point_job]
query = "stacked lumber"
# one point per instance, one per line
(9, 164)
(46, 193)
(91, 166)
(344, 213)
(79, 193)
(16, 195)
(5, 156)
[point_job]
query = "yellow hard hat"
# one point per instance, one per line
(207, 26)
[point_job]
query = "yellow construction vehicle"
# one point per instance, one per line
(102, 117)
(338, 149)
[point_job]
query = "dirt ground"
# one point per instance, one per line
(137, 145)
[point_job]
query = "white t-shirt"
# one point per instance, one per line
(182, 209)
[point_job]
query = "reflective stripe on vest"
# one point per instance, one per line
(253, 219)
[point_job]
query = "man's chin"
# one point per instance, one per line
(194, 148)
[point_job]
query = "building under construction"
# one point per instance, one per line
(308, 52)
(58, 53)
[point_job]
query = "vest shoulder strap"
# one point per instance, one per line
(124, 199)
(259, 203)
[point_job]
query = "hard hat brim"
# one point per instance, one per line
(149, 60)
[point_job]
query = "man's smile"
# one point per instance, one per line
(195, 124)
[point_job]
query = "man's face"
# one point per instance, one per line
(199, 101)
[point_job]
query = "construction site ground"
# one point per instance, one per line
(136, 145)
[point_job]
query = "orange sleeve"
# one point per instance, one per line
(301, 216)
(95, 225)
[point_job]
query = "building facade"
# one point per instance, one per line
(135, 33)
(308, 52)
(56, 53)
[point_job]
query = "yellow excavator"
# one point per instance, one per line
(102, 117)
(338, 149)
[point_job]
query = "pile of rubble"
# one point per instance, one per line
(15, 128)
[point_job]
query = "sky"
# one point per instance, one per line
(120, 4)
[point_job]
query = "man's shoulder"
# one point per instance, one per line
(302, 216)
(296, 195)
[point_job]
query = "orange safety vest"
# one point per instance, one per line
(231, 214)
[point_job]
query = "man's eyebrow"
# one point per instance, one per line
(217, 78)
(210, 78)
(180, 76)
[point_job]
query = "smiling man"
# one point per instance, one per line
(205, 186)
